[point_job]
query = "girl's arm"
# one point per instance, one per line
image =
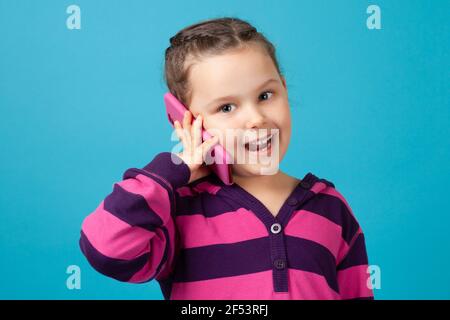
(352, 271)
(352, 260)
(131, 235)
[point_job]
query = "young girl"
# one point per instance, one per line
(266, 236)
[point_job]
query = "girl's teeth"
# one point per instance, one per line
(260, 146)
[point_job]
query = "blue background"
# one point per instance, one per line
(370, 112)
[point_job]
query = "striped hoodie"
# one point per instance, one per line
(208, 240)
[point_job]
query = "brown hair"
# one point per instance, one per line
(205, 38)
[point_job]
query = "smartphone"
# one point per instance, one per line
(221, 165)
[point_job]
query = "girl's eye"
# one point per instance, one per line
(224, 107)
(265, 93)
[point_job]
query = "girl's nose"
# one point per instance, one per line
(255, 117)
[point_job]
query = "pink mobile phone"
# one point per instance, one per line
(222, 159)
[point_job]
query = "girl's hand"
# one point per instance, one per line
(194, 151)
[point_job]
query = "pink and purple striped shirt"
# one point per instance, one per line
(208, 240)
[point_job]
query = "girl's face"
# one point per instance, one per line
(241, 91)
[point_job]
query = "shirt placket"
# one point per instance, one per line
(275, 226)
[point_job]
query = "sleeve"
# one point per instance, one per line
(131, 235)
(352, 271)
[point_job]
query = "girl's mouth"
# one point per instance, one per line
(264, 144)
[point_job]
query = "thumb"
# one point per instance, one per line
(201, 172)
(209, 144)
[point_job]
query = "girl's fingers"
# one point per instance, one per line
(197, 131)
(187, 121)
(184, 136)
(208, 144)
(191, 136)
(179, 130)
(187, 130)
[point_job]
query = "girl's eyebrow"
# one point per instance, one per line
(215, 101)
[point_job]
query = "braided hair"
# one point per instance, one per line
(204, 38)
